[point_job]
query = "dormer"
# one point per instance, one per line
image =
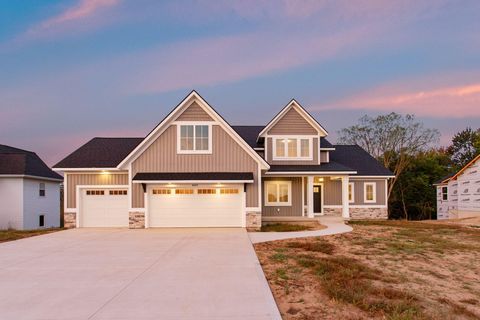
(293, 137)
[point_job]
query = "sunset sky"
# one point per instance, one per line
(73, 70)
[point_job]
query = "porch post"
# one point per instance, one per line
(310, 212)
(345, 202)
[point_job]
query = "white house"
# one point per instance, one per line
(29, 191)
(458, 195)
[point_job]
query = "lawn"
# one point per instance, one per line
(385, 269)
(11, 235)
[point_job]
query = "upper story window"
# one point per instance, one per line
(370, 192)
(444, 193)
(194, 138)
(41, 189)
(292, 148)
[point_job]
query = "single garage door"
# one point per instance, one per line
(196, 207)
(104, 208)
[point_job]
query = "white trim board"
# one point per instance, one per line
(192, 181)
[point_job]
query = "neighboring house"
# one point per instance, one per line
(458, 195)
(195, 170)
(29, 191)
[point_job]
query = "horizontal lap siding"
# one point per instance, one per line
(75, 179)
(194, 113)
(296, 209)
(292, 123)
(270, 160)
(227, 156)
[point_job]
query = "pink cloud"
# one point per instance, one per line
(457, 100)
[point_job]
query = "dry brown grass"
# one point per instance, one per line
(284, 227)
(11, 235)
(381, 270)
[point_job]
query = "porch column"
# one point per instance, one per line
(310, 212)
(345, 202)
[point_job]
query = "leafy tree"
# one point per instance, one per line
(465, 146)
(393, 139)
(413, 196)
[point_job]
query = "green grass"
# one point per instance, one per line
(284, 227)
(11, 235)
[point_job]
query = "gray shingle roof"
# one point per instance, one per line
(100, 153)
(14, 161)
(353, 156)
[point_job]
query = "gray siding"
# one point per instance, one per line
(269, 146)
(296, 209)
(292, 123)
(227, 156)
(332, 192)
(194, 113)
(74, 179)
(359, 195)
(324, 157)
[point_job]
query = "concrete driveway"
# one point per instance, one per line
(134, 274)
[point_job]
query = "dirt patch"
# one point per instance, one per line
(11, 235)
(392, 270)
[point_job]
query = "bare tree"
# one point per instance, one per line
(390, 138)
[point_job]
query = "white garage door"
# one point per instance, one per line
(196, 207)
(104, 208)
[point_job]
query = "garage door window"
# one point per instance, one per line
(162, 191)
(228, 191)
(95, 192)
(118, 192)
(206, 191)
(183, 191)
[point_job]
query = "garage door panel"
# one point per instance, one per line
(196, 210)
(103, 210)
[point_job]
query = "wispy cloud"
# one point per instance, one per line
(455, 100)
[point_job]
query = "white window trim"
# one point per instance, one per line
(352, 184)
(277, 183)
(194, 123)
(299, 148)
(374, 185)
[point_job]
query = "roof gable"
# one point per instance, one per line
(194, 113)
(177, 112)
(293, 111)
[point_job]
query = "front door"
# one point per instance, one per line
(317, 198)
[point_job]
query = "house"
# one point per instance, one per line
(458, 194)
(195, 170)
(29, 191)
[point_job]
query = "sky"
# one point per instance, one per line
(77, 69)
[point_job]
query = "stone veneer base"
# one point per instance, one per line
(136, 220)
(69, 220)
(254, 221)
(368, 213)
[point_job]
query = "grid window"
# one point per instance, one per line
(195, 138)
(95, 192)
(162, 191)
(41, 189)
(228, 191)
(206, 191)
(183, 191)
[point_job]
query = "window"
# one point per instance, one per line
(41, 189)
(95, 192)
(194, 138)
(444, 193)
(351, 192)
(369, 192)
(278, 193)
(292, 149)
(41, 220)
(161, 191)
(228, 191)
(118, 192)
(183, 191)
(206, 191)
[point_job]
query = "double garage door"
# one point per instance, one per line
(167, 207)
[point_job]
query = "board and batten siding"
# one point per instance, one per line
(194, 113)
(292, 123)
(269, 146)
(296, 209)
(90, 179)
(227, 156)
(333, 192)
